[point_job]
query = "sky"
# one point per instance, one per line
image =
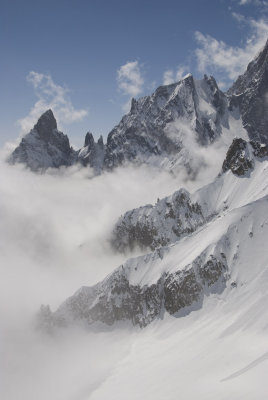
(86, 59)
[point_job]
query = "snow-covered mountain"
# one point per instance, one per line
(181, 213)
(150, 132)
(163, 129)
(191, 268)
(213, 236)
(159, 130)
(44, 146)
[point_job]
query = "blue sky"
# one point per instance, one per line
(86, 59)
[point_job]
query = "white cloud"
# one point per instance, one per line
(168, 77)
(171, 76)
(50, 95)
(243, 2)
(129, 78)
(217, 56)
(255, 2)
(239, 17)
(53, 241)
(130, 81)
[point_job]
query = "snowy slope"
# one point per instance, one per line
(218, 351)
(180, 214)
(214, 258)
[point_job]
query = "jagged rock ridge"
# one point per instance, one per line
(147, 134)
(154, 130)
(158, 225)
(116, 299)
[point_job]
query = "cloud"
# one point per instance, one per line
(171, 76)
(255, 2)
(130, 81)
(50, 95)
(217, 57)
(129, 78)
(52, 241)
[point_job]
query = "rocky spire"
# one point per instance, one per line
(100, 141)
(44, 146)
(89, 140)
(46, 125)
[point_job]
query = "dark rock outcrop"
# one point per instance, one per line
(238, 158)
(241, 156)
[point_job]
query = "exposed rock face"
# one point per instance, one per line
(241, 154)
(249, 93)
(259, 149)
(92, 153)
(44, 146)
(143, 132)
(183, 288)
(116, 299)
(239, 158)
(158, 225)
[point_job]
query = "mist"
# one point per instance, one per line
(54, 238)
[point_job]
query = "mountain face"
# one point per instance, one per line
(226, 227)
(249, 93)
(148, 133)
(44, 146)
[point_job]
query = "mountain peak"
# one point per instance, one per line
(44, 146)
(260, 59)
(100, 141)
(46, 124)
(89, 140)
